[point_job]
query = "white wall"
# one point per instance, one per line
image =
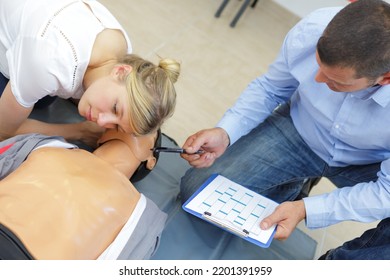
(303, 7)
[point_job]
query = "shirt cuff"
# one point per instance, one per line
(315, 211)
(230, 126)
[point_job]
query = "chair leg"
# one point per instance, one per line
(221, 8)
(254, 4)
(240, 12)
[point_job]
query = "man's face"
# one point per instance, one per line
(340, 79)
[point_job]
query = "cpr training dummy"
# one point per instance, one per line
(61, 202)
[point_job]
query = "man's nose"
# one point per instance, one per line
(320, 77)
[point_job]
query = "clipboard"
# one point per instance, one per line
(233, 208)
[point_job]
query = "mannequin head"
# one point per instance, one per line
(128, 153)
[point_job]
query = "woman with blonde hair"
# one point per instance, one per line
(77, 50)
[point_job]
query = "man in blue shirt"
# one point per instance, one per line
(321, 110)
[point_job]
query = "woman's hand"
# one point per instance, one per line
(90, 133)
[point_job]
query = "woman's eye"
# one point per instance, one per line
(114, 108)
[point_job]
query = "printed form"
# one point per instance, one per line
(233, 207)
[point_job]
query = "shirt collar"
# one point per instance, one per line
(380, 94)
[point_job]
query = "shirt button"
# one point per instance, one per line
(337, 126)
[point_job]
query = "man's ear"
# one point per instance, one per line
(151, 163)
(120, 71)
(385, 79)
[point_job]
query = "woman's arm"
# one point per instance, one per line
(12, 114)
(87, 132)
(14, 120)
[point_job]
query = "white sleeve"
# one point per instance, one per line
(35, 66)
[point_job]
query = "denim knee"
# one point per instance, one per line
(373, 244)
(191, 181)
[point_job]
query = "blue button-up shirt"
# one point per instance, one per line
(343, 128)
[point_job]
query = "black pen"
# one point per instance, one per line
(174, 150)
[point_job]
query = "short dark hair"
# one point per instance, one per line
(358, 37)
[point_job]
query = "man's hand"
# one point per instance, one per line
(212, 141)
(287, 215)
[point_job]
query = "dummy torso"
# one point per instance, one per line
(69, 203)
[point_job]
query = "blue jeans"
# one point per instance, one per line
(273, 160)
(374, 244)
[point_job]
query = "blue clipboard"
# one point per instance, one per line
(206, 193)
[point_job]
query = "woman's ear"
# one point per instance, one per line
(120, 71)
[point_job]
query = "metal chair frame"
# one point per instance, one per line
(243, 7)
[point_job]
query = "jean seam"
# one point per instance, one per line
(374, 236)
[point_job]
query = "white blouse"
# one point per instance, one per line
(45, 45)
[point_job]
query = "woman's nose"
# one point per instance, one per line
(107, 120)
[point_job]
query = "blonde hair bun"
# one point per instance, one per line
(171, 67)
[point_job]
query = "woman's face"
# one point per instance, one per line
(105, 102)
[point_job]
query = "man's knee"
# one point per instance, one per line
(189, 183)
(373, 244)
